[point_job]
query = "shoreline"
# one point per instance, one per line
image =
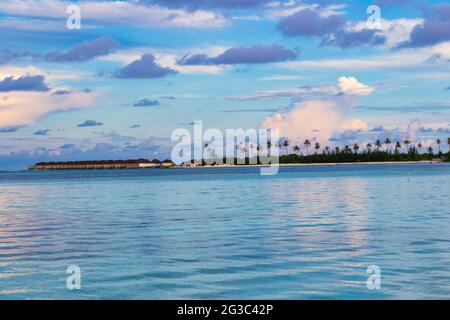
(327, 164)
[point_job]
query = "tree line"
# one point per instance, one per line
(314, 152)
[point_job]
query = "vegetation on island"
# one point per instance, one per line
(314, 152)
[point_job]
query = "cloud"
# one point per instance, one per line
(312, 119)
(23, 108)
(348, 86)
(7, 55)
(349, 39)
(43, 132)
(135, 126)
(8, 130)
(90, 123)
(146, 103)
(434, 30)
(85, 51)
(320, 116)
(24, 83)
(144, 68)
(308, 22)
(209, 4)
(115, 13)
(81, 52)
(351, 86)
(355, 125)
(242, 55)
(383, 3)
(61, 92)
(333, 29)
(151, 148)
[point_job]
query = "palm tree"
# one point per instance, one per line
(356, 147)
(317, 146)
(269, 146)
(252, 146)
(369, 147)
(430, 151)
(419, 146)
(378, 144)
(337, 150)
(307, 144)
(407, 143)
(327, 150)
(286, 145)
(438, 141)
(208, 150)
(388, 143)
(448, 142)
(398, 146)
(296, 149)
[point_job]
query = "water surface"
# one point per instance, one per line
(306, 233)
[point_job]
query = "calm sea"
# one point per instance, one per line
(306, 233)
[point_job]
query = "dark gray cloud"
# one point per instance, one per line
(308, 22)
(24, 83)
(435, 28)
(135, 126)
(167, 97)
(43, 132)
(7, 55)
(84, 51)
(90, 123)
(8, 130)
(243, 55)
(61, 92)
(146, 103)
(331, 29)
(443, 130)
(377, 129)
(426, 130)
(144, 68)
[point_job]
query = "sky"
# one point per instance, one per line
(135, 71)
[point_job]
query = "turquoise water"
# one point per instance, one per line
(306, 233)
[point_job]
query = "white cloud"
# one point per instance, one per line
(50, 75)
(115, 13)
(19, 109)
(351, 86)
(320, 118)
(356, 124)
(23, 108)
(395, 31)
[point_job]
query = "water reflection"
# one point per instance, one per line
(301, 234)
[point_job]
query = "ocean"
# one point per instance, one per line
(227, 233)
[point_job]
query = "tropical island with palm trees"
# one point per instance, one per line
(314, 153)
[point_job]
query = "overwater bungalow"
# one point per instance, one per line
(97, 164)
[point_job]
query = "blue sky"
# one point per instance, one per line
(138, 70)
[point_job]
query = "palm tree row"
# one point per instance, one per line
(350, 153)
(369, 147)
